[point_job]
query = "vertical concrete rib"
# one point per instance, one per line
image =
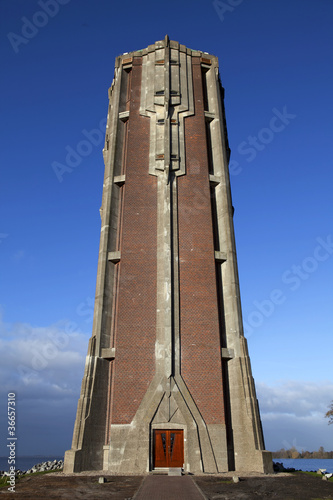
(102, 298)
(168, 285)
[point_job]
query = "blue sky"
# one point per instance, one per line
(276, 66)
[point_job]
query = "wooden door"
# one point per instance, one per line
(168, 448)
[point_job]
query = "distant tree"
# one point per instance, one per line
(279, 453)
(322, 453)
(293, 452)
(329, 414)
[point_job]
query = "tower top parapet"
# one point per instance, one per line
(166, 42)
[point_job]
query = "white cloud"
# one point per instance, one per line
(292, 414)
(43, 366)
(47, 361)
(297, 398)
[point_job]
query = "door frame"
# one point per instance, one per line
(167, 426)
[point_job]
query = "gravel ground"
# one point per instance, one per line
(296, 486)
(282, 486)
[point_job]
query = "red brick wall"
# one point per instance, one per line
(200, 338)
(134, 364)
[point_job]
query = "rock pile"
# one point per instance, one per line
(279, 467)
(43, 466)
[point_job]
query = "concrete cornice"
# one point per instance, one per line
(161, 44)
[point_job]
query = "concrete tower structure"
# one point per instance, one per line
(167, 380)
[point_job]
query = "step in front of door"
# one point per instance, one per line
(160, 470)
(175, 471)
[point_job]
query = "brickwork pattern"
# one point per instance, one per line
(199, 324)
(134, 365)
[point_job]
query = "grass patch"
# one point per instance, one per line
(4, 479)
(3, 482)
(224, 481)
(316, 475)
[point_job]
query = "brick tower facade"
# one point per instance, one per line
(167, 381)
